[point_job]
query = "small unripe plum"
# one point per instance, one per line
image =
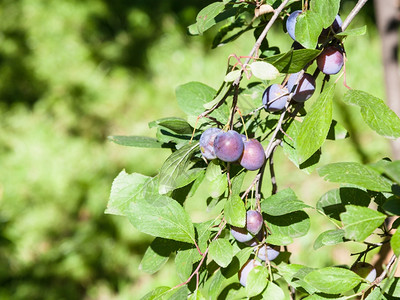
(330, 61)
(254, 221)
(245, 270)
(228, 146)
(269, 252)
(253, 156)
(275, 97)
(364, 270)
(304, 89)
(241, 234)
(291, 23)
(207, 139)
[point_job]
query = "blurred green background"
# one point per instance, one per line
(73, 73)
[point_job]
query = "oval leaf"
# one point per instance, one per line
(333, 280)
(315, 126)
(378, 116)
(282, 203)
(359, 222)
(256, 281)
(264, 70)
(235, 212)
(221, 251)
(162, 217)
(329, 238)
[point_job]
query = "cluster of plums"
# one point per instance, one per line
(231, 146)
(253, 235)
(330, 62)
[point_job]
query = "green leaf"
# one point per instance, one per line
(235, 212)
(135, 141)
(217, 182)
(237, 183)
(264, 70)
(175, 171)
(378, 116)
(157, 254)
(207, 18)
(392, 206)
(292, 225)
(333, 280)
(289, 148)
(308, 28)
(395, 243)
(360, 222)
(221, 252)
(353, 32)
(157, 293)
(294, 275)
(333, 202)
(176, 125)
(215, 284)
(315, 126)
(293, 61)
(124, 190)
(326, 10)
(273, 292)
(196, 296)
(280, 240)
(393, 171)
(203, 234)
(256, 281)
(230, 77)
(329, 238)
(282, 203)
(184, 260)
(192, 96)
(162, 217)
(357, 174)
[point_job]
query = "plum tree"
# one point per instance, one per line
(304, 89)
(206, 143)
(253, 156)
(268, 252)
(241, 234)
(331, 60)
(291, 23)
(364, 270)
(245, 270)
(254, 221)
(228, 146)
(275, 97)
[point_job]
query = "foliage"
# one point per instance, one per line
(208, 259)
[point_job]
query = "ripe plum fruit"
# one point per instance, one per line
(291, 23)
(331, 60)
(207, 139)
(304, 89)
(241, 234)
(245, 270)
(275, 97)
(269, 252)
(228, 146)
(254, 221)
(253, 156)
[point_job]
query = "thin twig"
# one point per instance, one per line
(353, 13)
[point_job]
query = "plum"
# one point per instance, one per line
(275, 97)
(245, 270)
(364, 270)
(305, 88)
(253, 156)
(241, 234)
(291, 23)
(331, 60)
(269, 252)
(228, 146)
(254, 221)
(207, 139)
